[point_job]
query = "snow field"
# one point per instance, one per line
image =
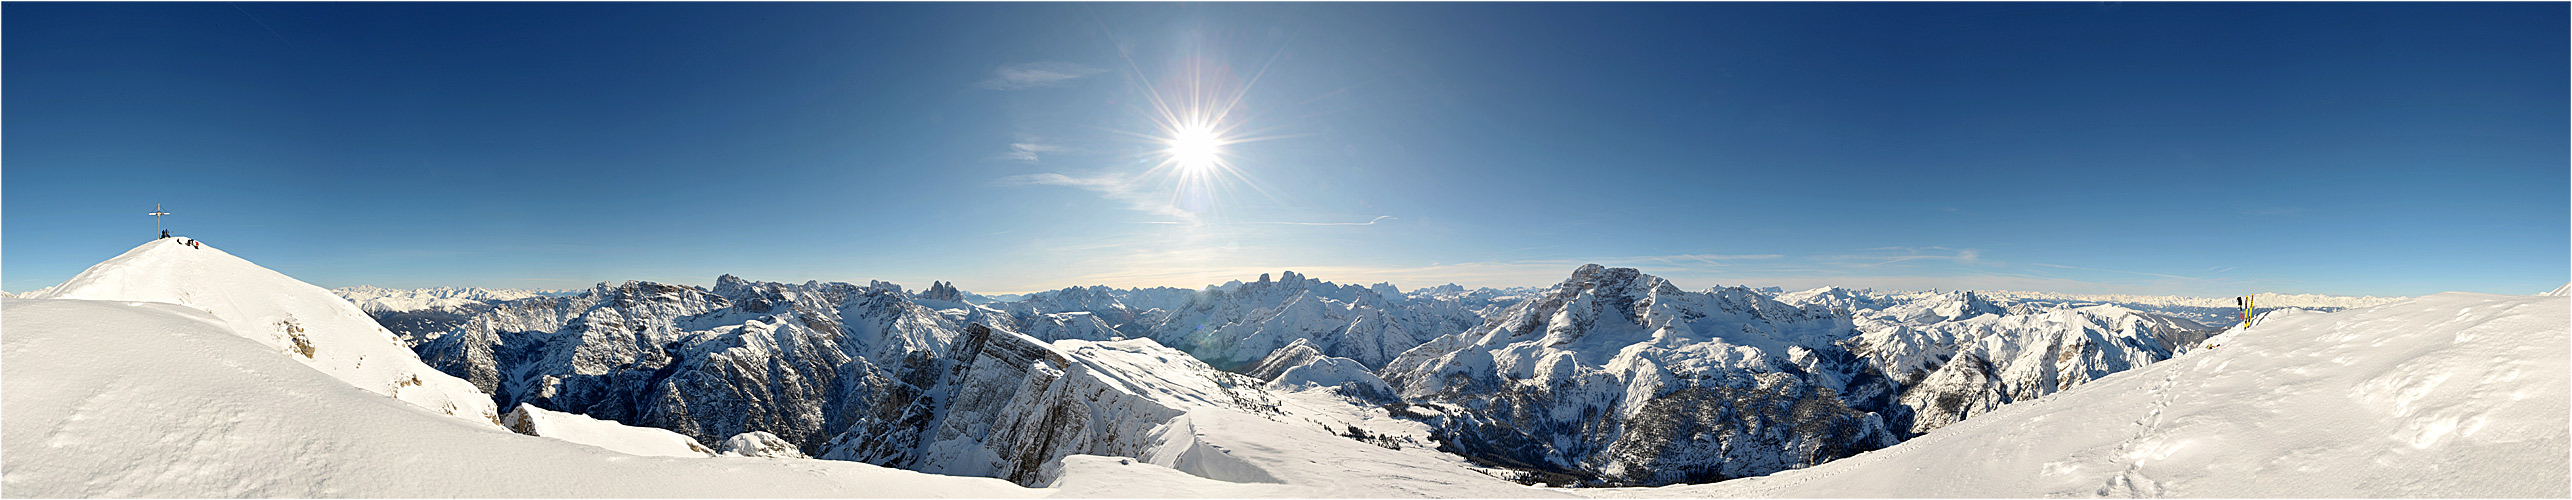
(2450, 395)
(303, 321)
(131, 399)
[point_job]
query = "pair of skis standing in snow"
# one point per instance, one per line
(2245, 302)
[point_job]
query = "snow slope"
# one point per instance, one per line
(630, 440)
(2265, 300)
(1345, 375)
(2449, 395)
(1274, 458)
(134, 399)
(2216, 311)
(1955, 369)
(310, 324)
(1959, 354)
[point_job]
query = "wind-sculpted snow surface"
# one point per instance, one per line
(2451, 395)
(644, 441)
(121, 399)
(759, 444)
(842, 371)
(304, 321)
(1617, 377)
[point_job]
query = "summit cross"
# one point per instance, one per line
(156, 214)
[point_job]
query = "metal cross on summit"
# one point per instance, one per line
(156, 219)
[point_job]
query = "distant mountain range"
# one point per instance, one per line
(1597, 380)
(1281, 386)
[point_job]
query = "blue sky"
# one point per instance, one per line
(2198, 149)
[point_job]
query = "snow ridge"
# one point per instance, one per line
(181, 406)
(641, 441)
(303, 321)
(2449, 395)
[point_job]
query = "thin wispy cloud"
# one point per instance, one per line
(1112, 187)
(1717, 259)
(1369, 222)
(1041, 74)
(1028, 151)
(2059, 266)
(1891, 255)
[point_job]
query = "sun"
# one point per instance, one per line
(1195, 148)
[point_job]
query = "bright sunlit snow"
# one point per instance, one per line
(138, 399)
(291, 317)
(2454, 394)
(2451, 395)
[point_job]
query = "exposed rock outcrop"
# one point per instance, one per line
(1617, 377)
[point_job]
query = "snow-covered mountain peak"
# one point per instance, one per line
(1599, 309)
(940, 290)
(303, 321)
(1831, 296)
(728, 284)
(1244, 322)
(374, 299)
(1951, 306)
(1625, 281)
(1618, 376)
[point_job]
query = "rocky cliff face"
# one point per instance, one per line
(1612, 377)
(940, 290)
(1239, 324)
(1953, 369)
(796, 361)
(1617, 377)
(1129, 312)
(418, 315)
(837, 370)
